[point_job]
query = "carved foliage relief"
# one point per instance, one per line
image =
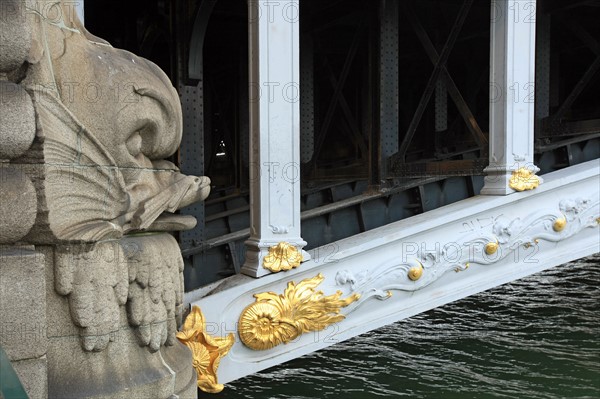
(502, 238)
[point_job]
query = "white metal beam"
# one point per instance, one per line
(527, 232)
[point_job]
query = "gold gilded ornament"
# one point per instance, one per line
(207, 351)
(416, 272)
(523, 179)
(560, 224)
(491, 248)
(278, 319)
(282, 257)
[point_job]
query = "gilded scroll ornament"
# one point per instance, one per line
(207, 351)
(278, 319)
(282, 257)
(523, 179)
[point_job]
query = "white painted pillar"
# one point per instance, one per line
(274, 67)
(512, 88)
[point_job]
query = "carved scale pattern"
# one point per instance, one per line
(139, 275)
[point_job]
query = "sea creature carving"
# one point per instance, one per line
(282, 257)
(278, 319)
(207, 351)
(104, 130)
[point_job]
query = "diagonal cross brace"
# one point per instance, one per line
(346, 110)
(435, 75)
(336, 95)
(463, 108)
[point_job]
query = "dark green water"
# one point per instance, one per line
(534, 338)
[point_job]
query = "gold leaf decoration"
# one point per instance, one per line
(207, 351)
(282, 257)
(523, 179)
(278, 319)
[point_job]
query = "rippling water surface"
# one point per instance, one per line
(534, 338)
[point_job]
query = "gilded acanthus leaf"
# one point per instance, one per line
(523, 179)
(282, 257)
(275, 319)
(207, 351)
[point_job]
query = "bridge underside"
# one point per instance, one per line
(408, 267)
(396, 110)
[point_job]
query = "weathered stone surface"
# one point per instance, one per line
(102, 130)
(15, 35)
(168, 222)
(178, 357)
(33, 374)
(17, 125)
(19, 205)
(60, 324)
(124, 370)
(22, 304)
(140, 275)
(110, 355)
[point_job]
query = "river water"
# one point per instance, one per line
(534, 338)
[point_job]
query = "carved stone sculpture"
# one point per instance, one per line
(106, 121)
(83, 148)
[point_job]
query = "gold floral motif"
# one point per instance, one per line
(491, 248)
(560, 224)
(282, 257)
(416, 272)
(278, 319)
(523, 179)
(207, 351)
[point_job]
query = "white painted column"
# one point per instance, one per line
(274, 67)
(512, 89)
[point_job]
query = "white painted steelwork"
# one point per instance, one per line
(512, 92)
(443, 240)
(274, 68)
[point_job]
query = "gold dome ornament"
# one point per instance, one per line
(207, 351)
(279, 319)
(559, 224)
(415, 273)
(282, 257)
(491, 248)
